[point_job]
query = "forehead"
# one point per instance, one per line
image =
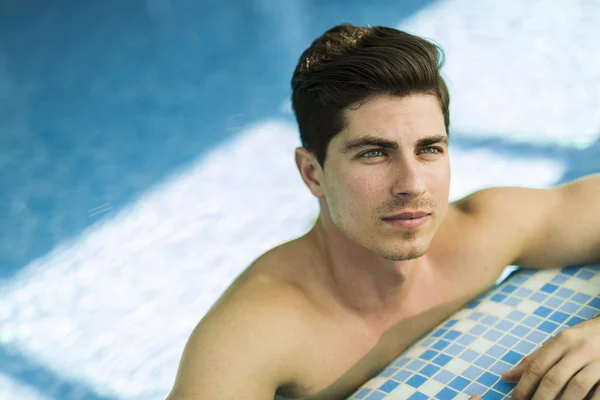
(395, 117)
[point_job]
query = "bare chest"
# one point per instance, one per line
(341, 356)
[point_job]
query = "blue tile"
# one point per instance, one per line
(444, 376)
(505, 326)
(520, 331)
(559, 317)
(416, 381)
(459, 383)
(438, 333)
(403, 375)
(547, 326)
(532, 321)
(488, 379)
(473, 304)
(429, 370)
(538, 297)
(504, 387)
(542, 312)
(475, 388)
(512, 301)
(565, 293)
(454, 350)
(574, 321)
(440, 344)
(500, 367)
(426, 342)
(595, 303)
(523, 292)
(478, 329)
(496, 351)
(442, 360)
(361, 394)
(548, 288)
(492, 395)
(472, 372)
(428, 355)
(581, 298)
(570, 270)
(524, 347)
(490, 320)
(484, 361)
(498, 298)
(508, 341)
(516, 315)
(388, 386)
(553, 302)
(570, 307)
(508, 288)
(559, 279)
(386, 373)
(446, 394)
(475, 315)
(376, 396)
(585, 275)
(401, 362)
(418, 396)
(469, 355)
(492, 335)
(450, 323)
(512, 357)
(587, 313)
(466, 339)
(537, 336)
(452, 335)
(415, 365)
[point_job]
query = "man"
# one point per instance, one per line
(388, 258)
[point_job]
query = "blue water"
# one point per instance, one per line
(131, 133)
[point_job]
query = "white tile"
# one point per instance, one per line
(496, 309)
(457, 366)
(481, 345)
(431, 388)
(527, 306)
(402, 392)
(464, 325)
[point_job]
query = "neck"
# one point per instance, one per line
(363, 281)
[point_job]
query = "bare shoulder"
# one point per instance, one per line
(247, 345)
(504, 219)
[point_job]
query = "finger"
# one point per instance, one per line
(595, 394)
(513, 375)
(537, 367)
(583, 382)
(565, 370)
(475, 397)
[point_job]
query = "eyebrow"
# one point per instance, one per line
(365, 141)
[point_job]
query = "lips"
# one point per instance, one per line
(408, 215)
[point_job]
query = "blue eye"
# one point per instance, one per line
(436, 150)
(377, 153)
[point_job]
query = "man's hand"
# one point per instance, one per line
(568, 366)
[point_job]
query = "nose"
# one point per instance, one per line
(409, 181)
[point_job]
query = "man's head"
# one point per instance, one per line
(373, 114)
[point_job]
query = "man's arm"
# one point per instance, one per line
(244, 348)
(541, 228)
(568, 232)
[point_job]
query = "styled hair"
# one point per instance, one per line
(349, 65)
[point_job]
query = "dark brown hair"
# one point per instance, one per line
(348, 65)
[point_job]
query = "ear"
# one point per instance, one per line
(311, 171)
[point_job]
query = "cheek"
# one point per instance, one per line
(353, 196)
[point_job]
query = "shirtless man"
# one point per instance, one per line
(388, 258)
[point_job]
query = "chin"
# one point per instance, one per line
(405, 251)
